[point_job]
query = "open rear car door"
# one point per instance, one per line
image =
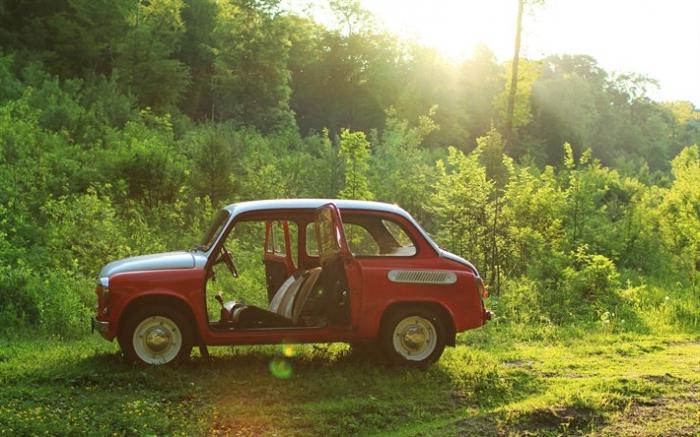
(333, 251)
(277, 255)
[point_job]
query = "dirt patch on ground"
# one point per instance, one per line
(570, 420)
(566, 420)
(672, 415)
(241, 429)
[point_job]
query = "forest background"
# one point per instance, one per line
(125, 125)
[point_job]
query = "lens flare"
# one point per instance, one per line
(280, 368)
(288, 350)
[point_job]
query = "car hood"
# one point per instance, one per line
(156, 261)
(459, 259)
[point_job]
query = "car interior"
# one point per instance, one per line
(310, 296)
(301, 281)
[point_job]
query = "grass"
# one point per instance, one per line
(492, 383)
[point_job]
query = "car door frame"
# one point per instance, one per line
(324, 334)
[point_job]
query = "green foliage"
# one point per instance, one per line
(680, 214)
(145, 60)
(528, 73)
(125, 125)
(460, 205)
(402, 170)
(250, 79)
(48, 302)
(354, 153)
(590, 278)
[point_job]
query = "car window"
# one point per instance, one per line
(311, 243)
(369, 235)
(360, 241)
(214, 230)
(276, 244)
(406, 246)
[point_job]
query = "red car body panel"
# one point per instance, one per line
(371, 290)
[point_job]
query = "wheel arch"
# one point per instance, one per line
(437, 307)
(156, 299)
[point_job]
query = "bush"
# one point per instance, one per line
(54, 303)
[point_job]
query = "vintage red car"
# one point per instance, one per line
(387, 285)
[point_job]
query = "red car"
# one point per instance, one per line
(334, 270)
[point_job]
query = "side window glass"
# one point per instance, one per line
(311, 243)
(387, 238)
(360, 240)
(275, 243)
(405, 244)
(278, 246)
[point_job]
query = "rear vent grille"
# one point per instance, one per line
(423, 276)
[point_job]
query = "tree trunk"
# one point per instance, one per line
(514, 77)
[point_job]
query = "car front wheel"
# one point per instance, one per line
(413, 337)
(156, 336)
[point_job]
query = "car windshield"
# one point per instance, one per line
(214, 231)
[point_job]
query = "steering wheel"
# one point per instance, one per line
(227, 259)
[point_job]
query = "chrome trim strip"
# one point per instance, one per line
(104, 282)
(435, 277)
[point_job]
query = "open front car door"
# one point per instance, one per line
(333, 251)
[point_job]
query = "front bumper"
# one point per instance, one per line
(100, 326)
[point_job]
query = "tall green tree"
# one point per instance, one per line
(680, 219)
(354, 154)
(145, 59)
(402, 169)
(250, 84)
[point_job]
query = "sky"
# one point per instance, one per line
(657, 38)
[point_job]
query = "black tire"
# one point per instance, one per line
(419, 322)
(174, 320)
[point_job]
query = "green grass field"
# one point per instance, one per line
(577, 383)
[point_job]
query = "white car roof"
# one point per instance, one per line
(264, 205)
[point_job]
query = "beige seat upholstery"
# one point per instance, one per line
(288, 287)
(303, 295)
(286, 305)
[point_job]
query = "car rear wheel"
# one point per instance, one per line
(156, 336)
(413, 336)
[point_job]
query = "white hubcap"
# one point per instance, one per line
(414, 338)
(157, 340)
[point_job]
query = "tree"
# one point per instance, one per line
(354, 153)
(197, 51)
(250, 83)
(521, 113)
(145, 58)
(72, 38)
(680, 217)
(402, 170)
(350, 14)
(513, 89)
(514, 72)
(460, 205)
(481, 80)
